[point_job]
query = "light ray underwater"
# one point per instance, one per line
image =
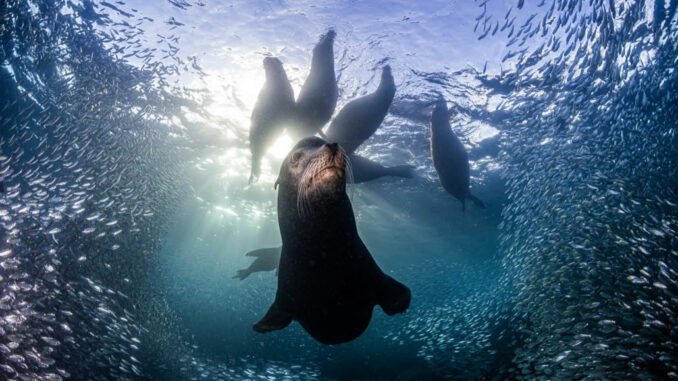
(338, 190)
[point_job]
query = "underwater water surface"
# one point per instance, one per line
(126, 210)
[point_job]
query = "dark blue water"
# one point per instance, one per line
(125, 208)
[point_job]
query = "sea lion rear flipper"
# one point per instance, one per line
(476, 201)
(242, 274)
(393, 297)
(276, 318)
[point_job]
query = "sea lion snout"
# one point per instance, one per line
(329, 36)
(334, 147)
(333, 172)
(321, 169)
(386, 70)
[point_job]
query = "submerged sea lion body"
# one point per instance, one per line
(318, 96)
(360, 118)
(274, 107)
(365, 170)
(327, 280)
(449, 156)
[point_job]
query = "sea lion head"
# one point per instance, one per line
(324, 46)
(387, 84)
(328, 37)
(440, 116)
(313, 171)
(273, 67)
(386, 73)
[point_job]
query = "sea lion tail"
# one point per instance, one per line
(242, 274)
(406, 171)
(393, 297)
(476, 201)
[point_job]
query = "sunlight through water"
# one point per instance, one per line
(127, 210)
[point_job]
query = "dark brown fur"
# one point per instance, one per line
(328, 280)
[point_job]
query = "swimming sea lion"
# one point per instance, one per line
(274, 106)
(360, 118)
(318, 96)
(327, 280)
(449, 156)
(365, 169)
(265, 260)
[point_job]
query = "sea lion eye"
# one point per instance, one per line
(296, 157)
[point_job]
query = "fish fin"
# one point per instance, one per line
(393, 297)
(276, 318)
(406, 171)
(242, 274)
(476, 201)
(266, 252)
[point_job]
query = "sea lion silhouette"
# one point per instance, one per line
(365, 170)
(361, 117)
(274, 107)
(449, 156)
(266, 259)
(318, 96)
(327, 280)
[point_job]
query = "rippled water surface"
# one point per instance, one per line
(125, 208)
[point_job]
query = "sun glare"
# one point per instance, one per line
(281, 147)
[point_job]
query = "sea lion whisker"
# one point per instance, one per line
(313, 168)
(304, 182)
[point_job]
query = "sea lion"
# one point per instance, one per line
(449, 156)
(265, 260)
(327, 280)
(365, 169)
(274, 107)
(318, 96)
(360, 118)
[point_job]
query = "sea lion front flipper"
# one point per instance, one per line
(393, 297)
(476, 201)
(269, 252)
(276, 318)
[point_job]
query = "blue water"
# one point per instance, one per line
(125, 208)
